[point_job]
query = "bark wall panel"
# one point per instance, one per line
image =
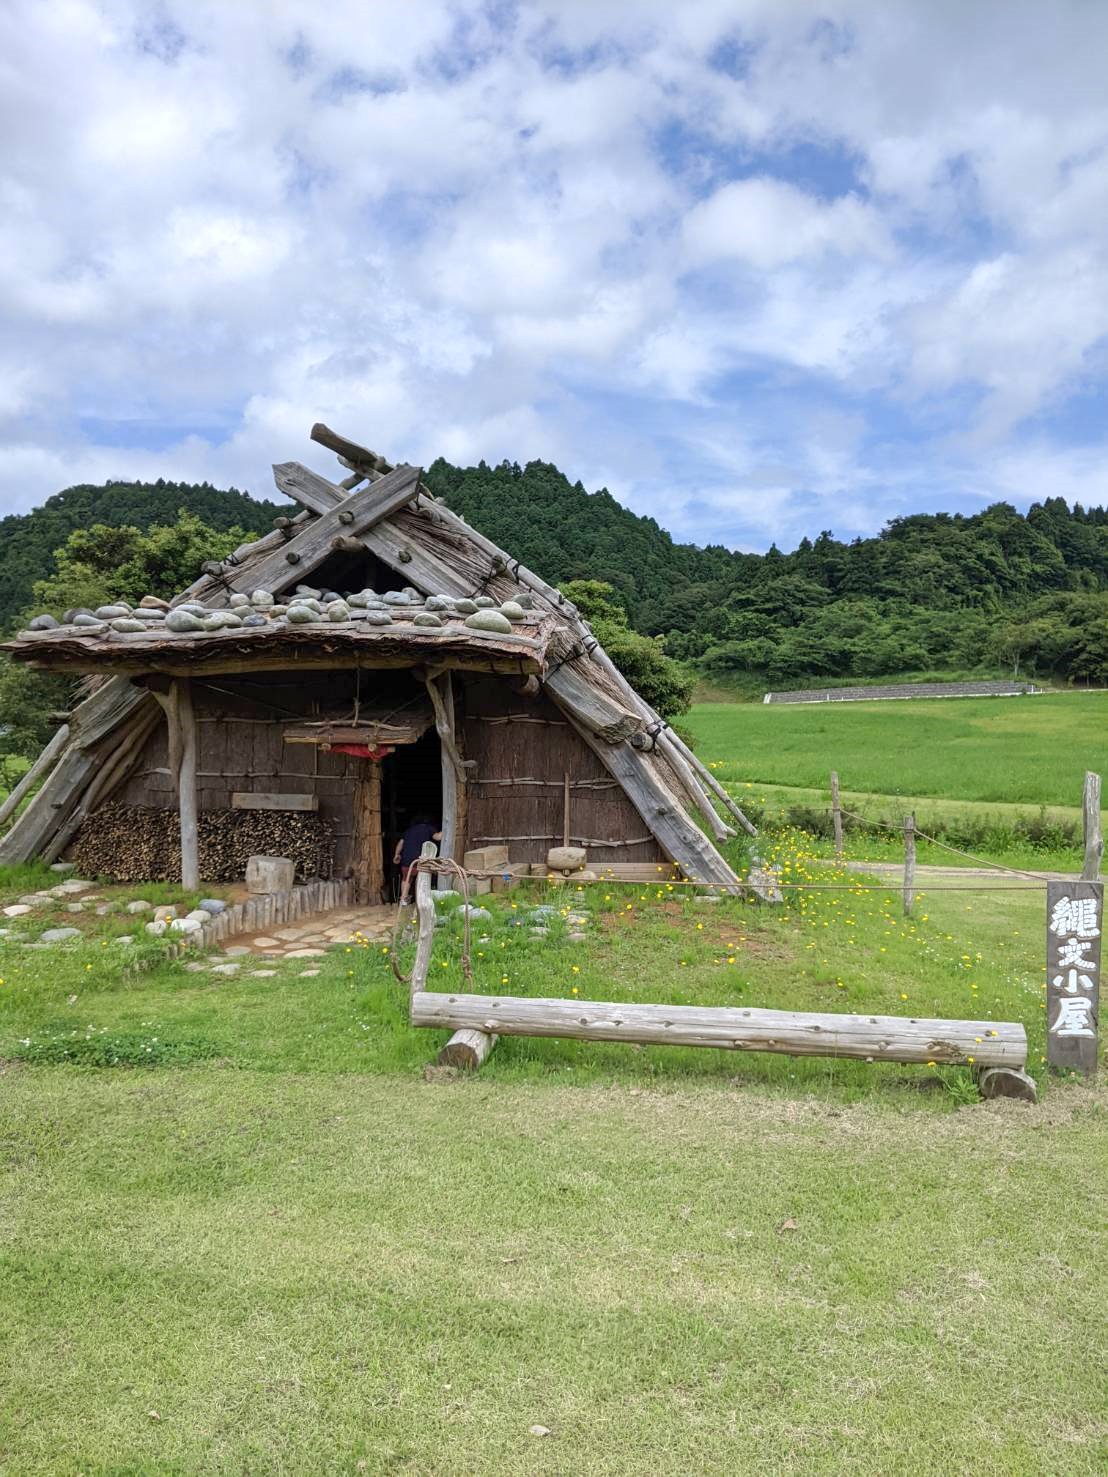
(538, 743)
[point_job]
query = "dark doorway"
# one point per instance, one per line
(411, 788)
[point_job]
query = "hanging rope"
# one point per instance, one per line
(444, 867)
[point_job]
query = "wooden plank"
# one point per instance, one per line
(1094, 841)
(1075, 923)
(267, 800)
(792, 1033)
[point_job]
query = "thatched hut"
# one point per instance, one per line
(262, 710)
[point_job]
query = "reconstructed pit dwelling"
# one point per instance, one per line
(371, 659)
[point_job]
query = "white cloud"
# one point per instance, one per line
(675, 248)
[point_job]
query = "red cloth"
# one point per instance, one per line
(362, 751)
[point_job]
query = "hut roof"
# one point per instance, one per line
(387, 512)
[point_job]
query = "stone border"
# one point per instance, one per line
(266, 911)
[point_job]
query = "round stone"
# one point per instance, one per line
(426, 618)
(44, 622)
(378, 618)
(112, 612)
(127, 625)
(484, 602)
(489, 622)
(261, 600)
(513, 610)
(181, 620)
(238, 599)
(465, 606)
(302, 615)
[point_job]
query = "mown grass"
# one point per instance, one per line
(266, 1244)
(235, 1271)
(1030, 751)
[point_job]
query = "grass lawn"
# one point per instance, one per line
(273, 1247)
(1030, 751)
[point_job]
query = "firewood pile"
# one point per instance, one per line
(135, 843)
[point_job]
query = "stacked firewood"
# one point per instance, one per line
(134, 843)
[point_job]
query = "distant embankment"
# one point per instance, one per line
(902, 691)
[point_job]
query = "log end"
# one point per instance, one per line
(466, 1050)
(1011, 1082)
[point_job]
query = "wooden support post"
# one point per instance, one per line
(1094, 841)
(837, 815)
(425, 911)
(870, 1038)
(565, 808)
(441, 692)
(909, 862)
(186, 782)
(368, 860)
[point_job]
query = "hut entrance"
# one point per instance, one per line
(393, 752)
(411, 789)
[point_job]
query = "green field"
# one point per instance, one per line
(264, 1243)
(1029, 751)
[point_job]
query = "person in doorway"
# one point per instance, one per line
(408, 849)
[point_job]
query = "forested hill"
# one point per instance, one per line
(930, 592)
(28, 540)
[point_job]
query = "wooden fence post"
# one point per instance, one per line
(1094, 841)
(909, 861)
(837, 815)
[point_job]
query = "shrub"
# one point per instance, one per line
(111, 1049)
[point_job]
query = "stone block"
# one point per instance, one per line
(270, 874)
(485, 858)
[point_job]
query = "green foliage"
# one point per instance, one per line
(104, 1048)
(932, 591)
(103, 563)
(27, 699)
(28, 540)
(641, 659)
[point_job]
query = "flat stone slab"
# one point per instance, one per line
(306, 953)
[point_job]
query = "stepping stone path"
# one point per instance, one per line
(312, 937)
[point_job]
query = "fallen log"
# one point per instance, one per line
(869, 1038)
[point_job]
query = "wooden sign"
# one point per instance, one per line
(1075, 918)
(267, 800)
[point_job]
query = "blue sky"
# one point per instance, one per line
(761, 267)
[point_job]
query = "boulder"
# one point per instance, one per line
(426, 618)
(436, 602)
(395, 597)
(465, 606)
(489, 622)
(212, 905)
(165, 914)
(140, 905)
(153, 602)
(302, 615)
(378, 618)
(238, 600)
(484, 602)
(566, 858)
(262, 600)
(59, 935)
(86, 622)
(513, 610)
(199, 915)
(44, 622)
(338, 610)
(158, 927)
(185, 925)
(270, 874)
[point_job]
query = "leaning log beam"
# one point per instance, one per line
(42, 765)
(869, 1038)
(679, 837)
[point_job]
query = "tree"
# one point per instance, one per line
(642, 659)
(99, 564)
